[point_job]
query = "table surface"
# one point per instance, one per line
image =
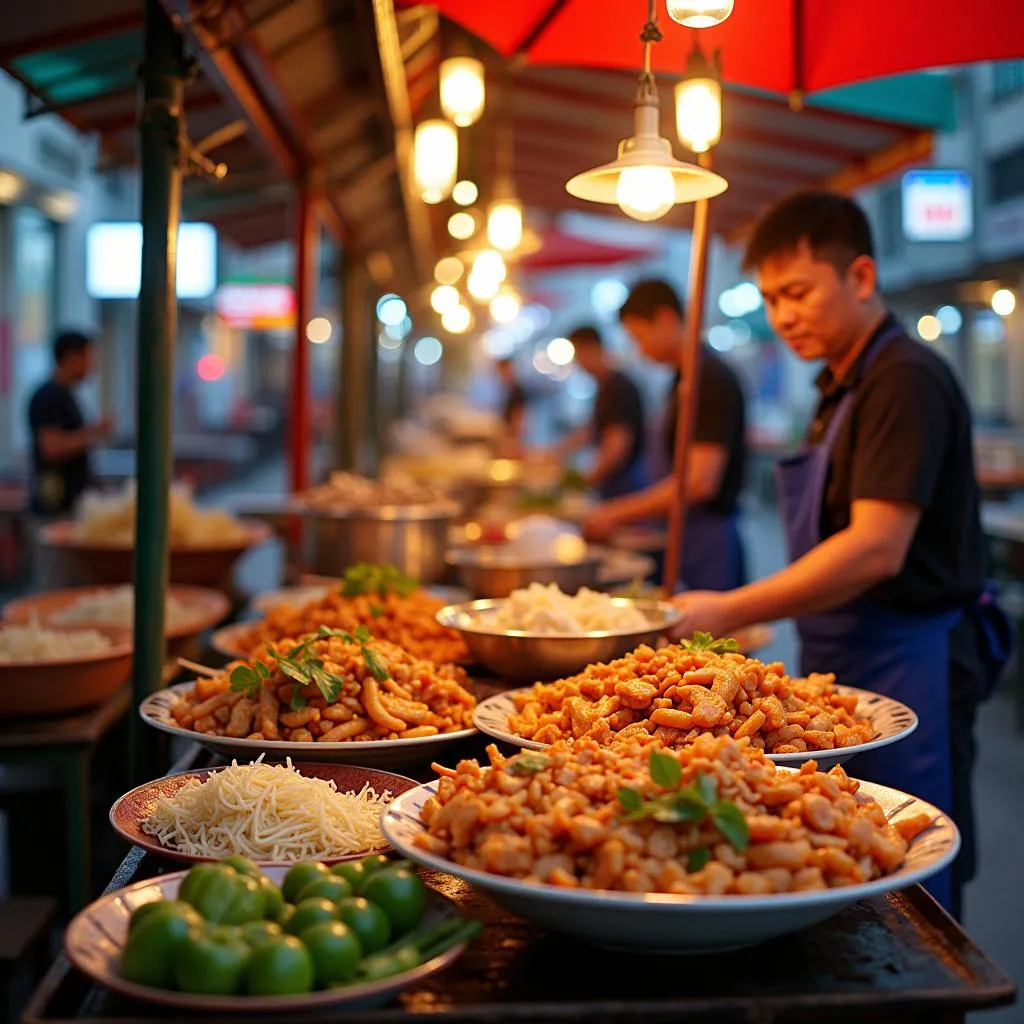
(900, 958)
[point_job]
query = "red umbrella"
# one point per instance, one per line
(779, 45)
(560, 251)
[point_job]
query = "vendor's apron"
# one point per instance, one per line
(874, 647)
(712, 551)
(627, 480)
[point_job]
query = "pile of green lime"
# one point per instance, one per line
(232, 931)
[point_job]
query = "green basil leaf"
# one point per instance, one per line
(293, 671)
(362, 635)
(263, 670)
(683, 807)
(376, 664)
(707, 787)
(665, 770)
(528, 764)
(698, 858)
(729, 820)
(629, 799)
(298, 702)
(245, 680)
(377, 610)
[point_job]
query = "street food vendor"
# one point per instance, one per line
(713, 552)
(880, 509)
(616, 430)
(513, 413)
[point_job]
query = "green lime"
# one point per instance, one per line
(371, 925)
(299, 877)
(401, 894)
(335, 950)
(242, 865)
(330, 888)
(281, 966)
(308, 913)
(255, 933)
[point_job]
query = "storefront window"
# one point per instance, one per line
(34, 245)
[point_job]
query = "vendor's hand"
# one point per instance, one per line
(705, 610)
(599, 525)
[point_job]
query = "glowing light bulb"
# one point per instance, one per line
(465, 192)
(698, 113)
(444, 297)
(489, 264)
(1004, 302)
(435, 159)
(462, 90)
(461, 225)
(929, 328)
(699, 13)
(481, 287)
(457, 320)
(318, 330)
(448, 270)
(505, 306)
(645, 193)
(561, 351)
(505, 224)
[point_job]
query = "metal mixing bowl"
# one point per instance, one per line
(413, 537)
(519, 656)
(488, 571)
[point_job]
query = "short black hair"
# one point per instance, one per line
(69, 342)
(834, 226)
(586, 335)
(647, 297)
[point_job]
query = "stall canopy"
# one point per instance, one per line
(779, 45)
(561, 251)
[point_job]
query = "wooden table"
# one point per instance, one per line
(898, 959)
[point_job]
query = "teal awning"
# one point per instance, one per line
(925, 100)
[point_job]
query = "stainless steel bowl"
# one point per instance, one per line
(530, 657)
(486, 571)
(414, 538)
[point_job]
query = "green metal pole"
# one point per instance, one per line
(161, 128)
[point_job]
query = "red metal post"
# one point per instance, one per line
(687, 400)
(306, 246)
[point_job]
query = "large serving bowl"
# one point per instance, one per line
(155, 710)
(520, 655)
(210, 607)
(206, 566)
(61, 686)
(890, 720)
(493, 571)
(664, 923)
(413, 537)
(96, 936)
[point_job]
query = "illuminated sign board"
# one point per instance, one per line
(263, 305)
(938, 206)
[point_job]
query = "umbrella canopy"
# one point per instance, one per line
(781, 45)
(560, 251)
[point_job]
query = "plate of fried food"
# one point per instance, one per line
(328, 696)
(390, 604)
(637, 846)
(700, 686)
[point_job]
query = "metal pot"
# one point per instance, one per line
(488, 572)
(414, 538)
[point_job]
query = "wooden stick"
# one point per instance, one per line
(200, 670)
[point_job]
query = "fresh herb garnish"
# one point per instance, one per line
(528, 764)
(695, 802)
(698, 858)
(379, 580)
(301, 665)
(706, 642)
(376, 610)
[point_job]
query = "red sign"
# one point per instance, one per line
(266, 306)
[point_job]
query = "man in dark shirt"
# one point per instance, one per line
(617, 425)
(713, 556)
(60, 438)
(513, 411)
(881, 509)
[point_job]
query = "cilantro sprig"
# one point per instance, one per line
(528, 763)
(301, 665)
(696, 802)
(706, 642)
(377, 580)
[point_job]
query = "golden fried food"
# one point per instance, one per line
(408, 621)
(743, 827)
(677, 695)
(357, 691)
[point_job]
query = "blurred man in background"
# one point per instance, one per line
(513, 411)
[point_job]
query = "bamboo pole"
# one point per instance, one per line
(689, 367)
(161, 131)
(306, 263)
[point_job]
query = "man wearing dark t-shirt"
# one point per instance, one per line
(881, 511)
(617, 426)
(60, 438)
(713, 555)
(513, 411)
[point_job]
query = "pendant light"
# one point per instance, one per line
(505, 305)
(462, 90)
(699, 13)
(699, 102)
(646, 180)
(435, 159)
(505, 224)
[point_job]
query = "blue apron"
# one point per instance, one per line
(872, 646)
(712, 551)
(628, 479)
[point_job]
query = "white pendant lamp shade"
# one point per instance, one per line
(699, 13)
(646, 180)
(435, 159)
(699, 113)
(462, 90)
(505, 224)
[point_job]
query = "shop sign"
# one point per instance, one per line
(938, 206)
(264, 305)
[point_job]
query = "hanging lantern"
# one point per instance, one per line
(505, 305)
(505, 224)
(462, 90)
(699, 103)
(646, 180)
(444, 297)
(699, 13)
(435, 159)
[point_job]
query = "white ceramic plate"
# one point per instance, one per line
(662, 923)
(96, 936)
(891, 722)
(225, 640)
(155, 710)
